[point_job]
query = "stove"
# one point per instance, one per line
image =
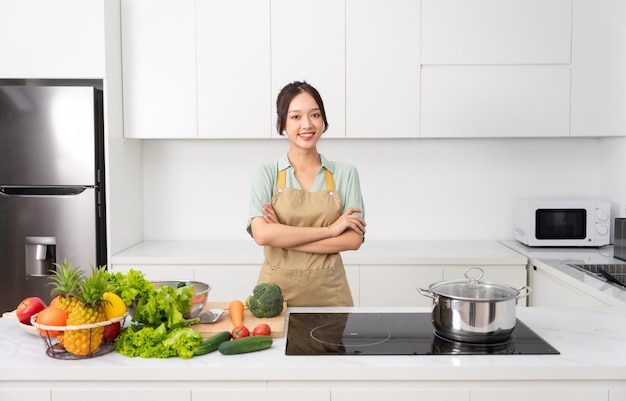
(394, 334)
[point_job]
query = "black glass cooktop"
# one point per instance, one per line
(394, 334)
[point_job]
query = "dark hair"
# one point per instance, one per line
(286, 95)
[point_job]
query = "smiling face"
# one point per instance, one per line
(304, 124)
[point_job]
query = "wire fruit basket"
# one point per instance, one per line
(53, 338)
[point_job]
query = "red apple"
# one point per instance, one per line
(111, 331)
(28, 307)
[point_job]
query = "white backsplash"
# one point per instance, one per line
(445, 189)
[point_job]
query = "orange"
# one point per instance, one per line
(51, 316)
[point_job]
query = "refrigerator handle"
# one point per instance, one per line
(17, 190)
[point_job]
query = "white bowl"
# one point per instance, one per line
(26, 327)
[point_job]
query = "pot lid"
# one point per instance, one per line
(473, 289)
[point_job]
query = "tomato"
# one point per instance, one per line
(111, 331)
(51, 316)
(240, 332)
(28, 307)
(262, 330)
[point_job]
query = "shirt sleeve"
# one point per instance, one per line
(349, 186)
(262, 182)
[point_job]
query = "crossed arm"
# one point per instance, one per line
(346, 233)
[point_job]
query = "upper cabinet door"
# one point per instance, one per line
(233, 63)
(52, 39)
(495, 101)
(382, 68)
(599, 68)
(496, 31)
(308, 43)
(159, 68)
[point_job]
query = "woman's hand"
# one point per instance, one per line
(349, 220)
(269, 215)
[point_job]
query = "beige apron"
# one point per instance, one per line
(306, 279)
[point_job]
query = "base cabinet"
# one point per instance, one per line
(401, 395)
(25, 394)
(261, 395)
(550, 288)
(128, 394)
(539, 394)
(371, 285)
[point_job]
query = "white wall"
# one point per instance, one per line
(413, 189)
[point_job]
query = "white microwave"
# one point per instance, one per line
(563, 222)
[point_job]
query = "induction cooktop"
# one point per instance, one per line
(394, 334)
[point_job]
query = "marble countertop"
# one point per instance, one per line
(371, 252)
(560, 259)
(591, 343)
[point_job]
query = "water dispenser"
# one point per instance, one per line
(40, 256)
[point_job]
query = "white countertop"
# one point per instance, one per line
(561, 258)
(591, 342)
(371, 252)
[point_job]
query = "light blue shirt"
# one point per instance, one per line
(263, 182)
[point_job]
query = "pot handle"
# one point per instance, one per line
(428, 293)
(525, 294)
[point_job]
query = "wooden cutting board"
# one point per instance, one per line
(276, 323)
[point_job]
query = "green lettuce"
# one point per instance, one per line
(164, 305)
(130, 286)
(157, 342)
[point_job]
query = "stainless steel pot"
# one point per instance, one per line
(473, 311)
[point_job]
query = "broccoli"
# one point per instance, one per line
(266, 300)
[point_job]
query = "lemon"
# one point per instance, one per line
(115, 307)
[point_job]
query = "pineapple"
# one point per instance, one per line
(90, 309)
(66, 279)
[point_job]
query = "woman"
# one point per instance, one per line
(305, 209)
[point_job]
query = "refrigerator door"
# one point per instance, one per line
(36, 231)
(47, 135)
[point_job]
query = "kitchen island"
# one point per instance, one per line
(591, 366)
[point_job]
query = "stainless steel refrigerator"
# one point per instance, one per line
(52, 195)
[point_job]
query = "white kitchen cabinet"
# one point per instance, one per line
(158, 272)
(551, 288)
(401, 395)
(617, 394)
(353, 274)
(598, 68)
(537, 393)
(495, 101)
(24, 394)
(127, 394)
(308, 43)
(496, 32)
(59, 39)
(396, 285)
(261, 395)
(233, 69)
(229, 282)
(159, 68)
(382, 69)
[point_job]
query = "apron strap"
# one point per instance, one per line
(281, 178)
(328, 177)
(330, 182)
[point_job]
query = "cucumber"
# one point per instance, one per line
(212, 343)
(245, 344)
